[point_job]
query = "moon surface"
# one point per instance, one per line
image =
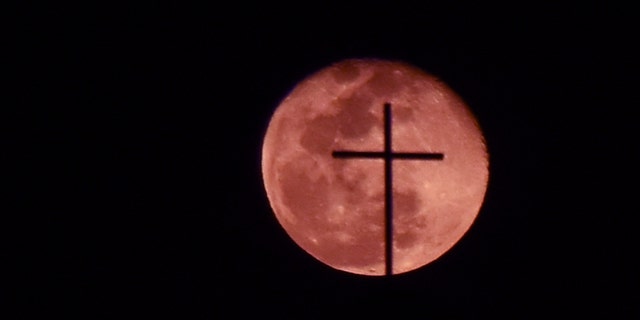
(334, 208)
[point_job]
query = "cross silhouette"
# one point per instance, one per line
(388, 155)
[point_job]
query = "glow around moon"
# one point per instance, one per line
(334, 208)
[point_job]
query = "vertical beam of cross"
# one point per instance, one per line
(388, 156)
(388, 192)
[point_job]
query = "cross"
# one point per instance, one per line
(388, 155)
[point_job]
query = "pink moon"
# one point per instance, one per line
(334, 208)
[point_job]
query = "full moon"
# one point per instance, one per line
(334, 208)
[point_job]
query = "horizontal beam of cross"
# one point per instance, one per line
(392, 155)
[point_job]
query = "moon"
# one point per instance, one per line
(334, 208)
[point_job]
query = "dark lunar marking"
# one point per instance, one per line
(345, 73)
(305, 197)
(403, 114)
(355, 118)
(405, 205)
(384, 84)
(319, 134)
(405, 239)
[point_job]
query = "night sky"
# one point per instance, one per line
(133, 141)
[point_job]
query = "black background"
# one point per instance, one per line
(133, 141)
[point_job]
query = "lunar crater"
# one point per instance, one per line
(345, 73)
(319, 135)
